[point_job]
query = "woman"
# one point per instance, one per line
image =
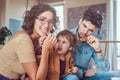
(17, 57)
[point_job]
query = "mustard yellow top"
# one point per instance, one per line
(18, 50)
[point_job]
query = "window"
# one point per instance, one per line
(117, 29)
(59, 10)
(114, 27)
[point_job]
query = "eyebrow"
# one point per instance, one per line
(44, 17)
(86, 26)
(41, 17)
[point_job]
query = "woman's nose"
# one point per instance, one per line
(46, 24)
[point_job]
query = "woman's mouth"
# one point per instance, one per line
(45, 31)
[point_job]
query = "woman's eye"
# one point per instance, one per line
(42, 19)
(51, 21)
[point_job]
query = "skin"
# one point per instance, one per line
(34, 71)
(63, 46)
(87, 29)
(44, 29)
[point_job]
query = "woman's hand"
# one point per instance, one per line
(41, 40)
(49, 43)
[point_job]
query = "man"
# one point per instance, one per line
(88, 48)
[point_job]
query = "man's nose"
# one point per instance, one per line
(86, 31)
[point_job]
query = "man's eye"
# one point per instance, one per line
(84, 25)
(91, 30)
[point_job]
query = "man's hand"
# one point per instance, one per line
(90, 72)
(93, 42)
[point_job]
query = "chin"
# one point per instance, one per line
(59, 53)
(42, 35)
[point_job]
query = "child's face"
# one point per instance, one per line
(63, 45)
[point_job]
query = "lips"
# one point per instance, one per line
(59, 49)
(45, 31)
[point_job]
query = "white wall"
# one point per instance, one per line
(2, 12)
(13, 9)
(18, 7)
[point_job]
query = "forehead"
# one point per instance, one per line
(88, 24)
(47, 14)
(63, 37)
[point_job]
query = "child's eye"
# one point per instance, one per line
(58, 40)
(64, 42)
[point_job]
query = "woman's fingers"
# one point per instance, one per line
(50, 41)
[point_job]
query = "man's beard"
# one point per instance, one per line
(78, 36)
(82, 38)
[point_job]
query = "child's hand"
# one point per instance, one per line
(27, 78)
(73, 70)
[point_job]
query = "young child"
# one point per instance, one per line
(60, 60)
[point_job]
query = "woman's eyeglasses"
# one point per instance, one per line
(43, 20)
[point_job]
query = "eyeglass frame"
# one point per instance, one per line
(44, 21)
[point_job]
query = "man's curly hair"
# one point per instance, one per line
(94, 16)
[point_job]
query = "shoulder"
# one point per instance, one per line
(21, 35)
(68, 55)
(74, 30)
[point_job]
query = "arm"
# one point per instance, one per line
(80, 70)
(94, 43)
(101, 63)
(39, 72)
(73, 69)
(80, 73)
(48, 43)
